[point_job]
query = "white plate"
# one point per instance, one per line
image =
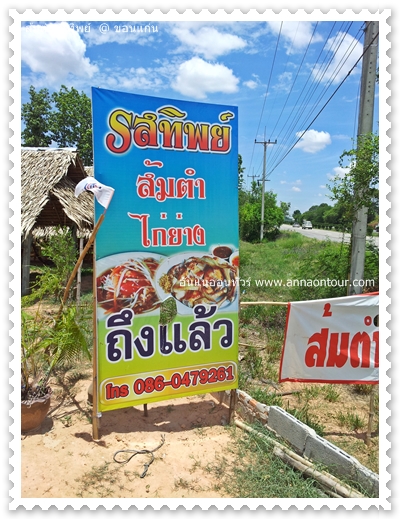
(108, 262)
(170, 262)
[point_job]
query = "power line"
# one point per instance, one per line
(324, 106)
(319, 76)
(297, 75)
(266, 93)
(301, 108)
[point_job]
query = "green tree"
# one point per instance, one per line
(285, 206)
(71, 122)
(358, 188)
(297, 215)
(65, 118)
(250, 215)
(316, 213)
(35, 116)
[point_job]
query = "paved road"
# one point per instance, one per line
(322, 234)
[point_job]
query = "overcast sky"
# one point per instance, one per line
(281, 75)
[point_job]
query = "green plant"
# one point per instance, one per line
(46, 345)
(324, 272)
(49, 341)
(264, 397)
(331, 393)
(253, 362)
(61, 254)
(351, 420)
(363, 389)
(34, 368)
(67, 420)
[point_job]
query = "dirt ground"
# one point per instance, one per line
(62, 460)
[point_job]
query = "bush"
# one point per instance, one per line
(61, 250)
(325, 271)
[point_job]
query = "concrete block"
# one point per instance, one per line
(368, 480)
(338, 462)
(289, 427)
(341, 464)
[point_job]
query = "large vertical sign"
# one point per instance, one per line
(171, 231)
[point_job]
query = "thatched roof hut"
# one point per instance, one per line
(48, 180)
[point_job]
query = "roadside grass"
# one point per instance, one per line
(327, 408)
(258, 473)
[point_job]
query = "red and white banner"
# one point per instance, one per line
(332, 341)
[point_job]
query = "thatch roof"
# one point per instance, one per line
(48, 180)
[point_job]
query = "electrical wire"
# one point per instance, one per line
(325, 104)
(267, 91)
(319, 79)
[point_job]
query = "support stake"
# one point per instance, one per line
(232, 405)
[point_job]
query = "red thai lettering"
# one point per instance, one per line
(197, 136)
(174, 236)
(360, 339)
(120, 123)
(334, 350)
(172, 136)
(146, 185)
(375, 338)
(148, 130)
(316, 352)
(144, 219)
(145, 131)
(220, 138)
(337, 359)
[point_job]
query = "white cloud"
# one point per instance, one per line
(251, 84)
(344, 58)
(206, 41)
(284, 82)
(313, 141)
(133, 79)
(322, 186)
(296, 35)
(294, 188)
(56, 51)
(283, 182)
(196, 77)
(338, 172)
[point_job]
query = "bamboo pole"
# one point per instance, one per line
(79, 275)
(336, 484)
(95, 418)
(232, 405)
(80, 259)
(253, 303)
(370, 417)
(95, 414)
(322, 478)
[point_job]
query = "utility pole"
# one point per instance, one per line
(263, 180)
(365, 126)
(253, 176)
